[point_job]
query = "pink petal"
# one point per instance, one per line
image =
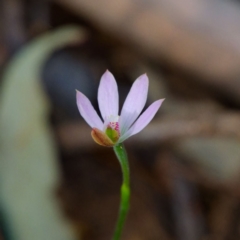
(143, 120)
(134, 103)
(88, 112)
(108, 95)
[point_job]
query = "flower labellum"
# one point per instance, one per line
(115, 129)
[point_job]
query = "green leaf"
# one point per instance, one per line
(28, 159)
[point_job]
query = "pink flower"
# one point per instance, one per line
(116, 128)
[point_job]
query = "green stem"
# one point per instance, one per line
(125, 189)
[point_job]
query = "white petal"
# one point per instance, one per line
(143, 120)
(88, 112)
(108, 96)
(134, 103)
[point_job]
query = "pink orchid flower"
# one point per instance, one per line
(115, 129)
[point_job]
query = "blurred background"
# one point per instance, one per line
(56, 183)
